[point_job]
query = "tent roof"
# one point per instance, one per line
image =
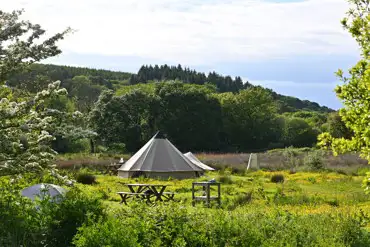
(159, 155)
(197, 162)
(42, 189)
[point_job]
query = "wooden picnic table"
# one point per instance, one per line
(112, 169)
(147, 191)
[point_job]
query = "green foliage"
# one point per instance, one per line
(277, 178)
(126, 118)
(366, 183)
(225, 179)
(167, 73)
(145, 88)
(85, 92)
(248, 118)
(85, 178)
(229, 122)
(37, 76)
(189, 115)
(314, 160)
(108, 233)
(25, 129)
(240, 200)
(174, 108)
(355, 89)
(313, 118)
(337, 128)
(175, 225)
(44, 223)
(292, 104)
(298, 133)
(290, 155)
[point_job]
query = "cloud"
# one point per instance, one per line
(195, 32)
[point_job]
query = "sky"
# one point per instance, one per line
(291, 46)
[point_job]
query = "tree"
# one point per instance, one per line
(336, 127)
(85, 93)
(355, 91)
(298, 133)
(123, 119)
(69, 126)
(189, 115)
(25, 134)
(21, 44)
(249, 118)
(28, 125)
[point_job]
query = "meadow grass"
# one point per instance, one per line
(329, 188)
(321, 208)
(301, 192)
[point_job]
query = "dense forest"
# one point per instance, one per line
(148, 74)
(198, 112)
(37, 76)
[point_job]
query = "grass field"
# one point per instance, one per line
(308, 209)
(336, 186)
(300, 193)
(300, 198)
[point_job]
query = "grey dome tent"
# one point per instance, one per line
(197, 162)
(159, 158)
(41, 190)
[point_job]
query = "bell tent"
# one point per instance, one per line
(197, 162)
(159, 158)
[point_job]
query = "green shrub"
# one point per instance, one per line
(175, 225)
(298, 199)
(107, 233)
(333, 202)
(43, 223)
(277, 178)
(72, 213)
(314, 160)
(225, 179)
(241, 199)
(225, 176)
(117, 148)
(85, 178)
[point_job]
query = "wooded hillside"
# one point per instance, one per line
(198, 112)
(39, 75)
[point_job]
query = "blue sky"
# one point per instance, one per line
(293, 47)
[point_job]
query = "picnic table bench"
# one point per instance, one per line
(146, 192)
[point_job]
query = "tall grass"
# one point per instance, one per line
(174, 225)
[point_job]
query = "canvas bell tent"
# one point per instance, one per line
(159, 158)
(197, 162)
